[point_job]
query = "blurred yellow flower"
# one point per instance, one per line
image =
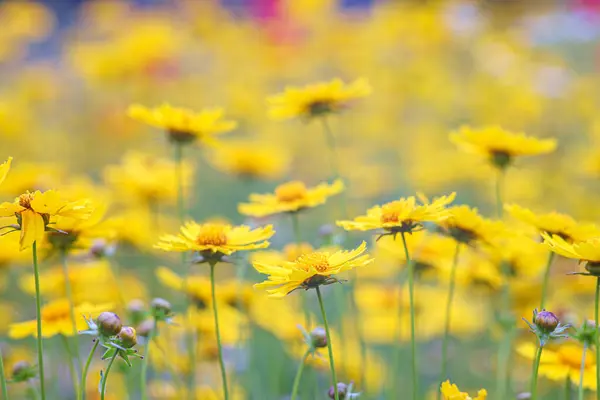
(588, 251)
(184, 125)
(216, 238)
(34, 211)
(309, 270)
(500, 146)
(465, 225)
(4, 167)
(56, 320)
(253, 160)
(317, 99)
(290, 197)
(451, 392)
(404, 215)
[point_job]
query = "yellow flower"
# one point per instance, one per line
(184, 125)
(317, 99)
(588, 251)
(290, 197)
(558, 362)
(250, 160)
(554, 224)
(499, 145)
(309, 270)
(404, 215)
(216, 238)
(56, 320)
(451, 392)
(34, 211)
(4, 167)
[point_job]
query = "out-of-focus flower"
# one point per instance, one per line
(316, 100)
(500, 146)
(290, 197)
(183, 125)
(26, 176)
(451, 392)
(309, 270)
(588, 251)
(4, 168)
(466, 226)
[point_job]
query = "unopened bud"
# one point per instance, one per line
(326, 230)
(145, 328)
(160, 307)
(109, 324)
(342, 391)
(23, 371)
(546, 321)
(128, 337)
(20, 367)
(524, 396)
(318, 337)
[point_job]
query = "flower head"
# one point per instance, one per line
(34, 211)
(451, 392)
(309, 270)
(546, 326)
(216, 239)
(465, 225)
(290, 197)
(317, 99)
(404, 215)
(500, 146)
(253, 160)
(587, 251)
(184, 125)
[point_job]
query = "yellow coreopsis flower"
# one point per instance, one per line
(500, 146)
(465, 225)
(554, 223)
(290, 197)
(216, 239)
(451, 392)
(33, 212)
(317, 99)
(4, 168)
(587, 251)
(250, 160)
(309, 270)
(56, 319)
(184, 125)
(401, 216)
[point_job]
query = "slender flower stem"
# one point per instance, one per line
(105, 377)
(534, 376)
(546, 279)
(38, 310)
(3, 378)
(72, 369)
(504, 349)
(217, 330)
(411, 296)
(499, 197)
(86, 367)
(331, 143)
(568, 389)
(69, 293)
(581, 372)
(331, 362)
(144, 372)
(597, 337)
(299, 375)
(449, 314)
(178, 158)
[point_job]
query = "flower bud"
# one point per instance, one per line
(326, 230)
(318, 337)
(342, 391)
(546, 321)
(23, 371)
(160, 307)
(20, 367)
(109, 324)
(128, 337)
(145, 328)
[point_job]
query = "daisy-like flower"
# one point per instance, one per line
(587, 251)
(184, 125)
(465, 225)
(401, 216)
(290, 197)
(4, 168)
(56, 319)
(554, 223)
(214, 240)
(500, 146)
(316, 100)
(451, 392)
(34, 212)
(309, 270)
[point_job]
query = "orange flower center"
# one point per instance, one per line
(293, 251)
(291, 191)
(317, 261)
(212, 235)
(25, 200)
(391, 212)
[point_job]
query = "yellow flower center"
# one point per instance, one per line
(56, 311)
(25, 200)
(212, 235)
(391, 212)
(294, 251)
(316, 261)
(291, 191)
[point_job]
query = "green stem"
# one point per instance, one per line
(546, 279)
(331, 143)
(38, 310)
(411, 296)
(329, 348)
(581, 372)
(86, 367)
(69, 293)
(504, 349)
(72, 368)
(217, 330)
(105, 377)
(597, 337)
(144, 371)
(3, 378)
(299, 375)
(178, 158)
(32, 390)
(568, 389)
(499, 197)
(534, 376)
(449, 314)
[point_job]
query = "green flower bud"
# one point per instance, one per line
(128, 337)
(546, 321)
(318, 337)
(160, 308)
(109, 324)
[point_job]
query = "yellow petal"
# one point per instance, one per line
(4, 167)
(32, 228)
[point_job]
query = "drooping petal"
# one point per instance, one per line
(32, 228)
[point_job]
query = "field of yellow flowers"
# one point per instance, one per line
(299, 200)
